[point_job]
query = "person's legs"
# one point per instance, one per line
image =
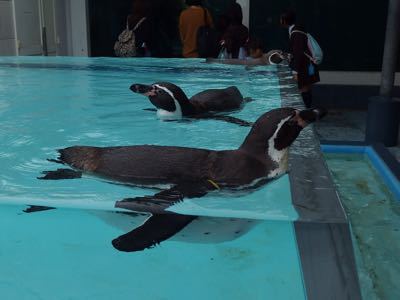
(306, 95)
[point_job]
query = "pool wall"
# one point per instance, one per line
(380, 157)
(323, 232)
(56, 243)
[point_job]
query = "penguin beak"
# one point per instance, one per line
(146, 90)
(305, 117)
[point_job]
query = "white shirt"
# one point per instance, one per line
(290, 28)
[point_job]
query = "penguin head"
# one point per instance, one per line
(275, 131)
(289, 128)
(170, 101)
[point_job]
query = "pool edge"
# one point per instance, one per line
(332, 237)
(382, 160)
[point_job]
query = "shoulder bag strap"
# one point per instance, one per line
(127, 23)
(299, 31)
(138, 23)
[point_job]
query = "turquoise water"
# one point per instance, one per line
(51, 103)
(66, 254)
(374, 215)
(57, 102)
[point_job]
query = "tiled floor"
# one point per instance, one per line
(341, 125)
(346, 125)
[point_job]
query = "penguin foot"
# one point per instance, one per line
(36, 208)
(60, 174)
(155, 229)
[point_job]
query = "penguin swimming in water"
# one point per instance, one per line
(191, 172)
(172, 103)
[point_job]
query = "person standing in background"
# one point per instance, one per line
(305, 72)
(236, 35)
(190, 20)
(144, 32)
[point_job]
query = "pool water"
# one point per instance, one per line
(47, 104)
(374, 215)
(52, 103)
(66, 254)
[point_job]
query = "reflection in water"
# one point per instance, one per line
(375, 221)
(200, 230)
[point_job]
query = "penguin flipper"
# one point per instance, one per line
(154, 230)
(60, 174)
(150, 109)
(158, 203)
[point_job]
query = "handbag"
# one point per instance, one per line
(125, 46)
(207, 39)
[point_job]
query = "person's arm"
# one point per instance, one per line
(142, 33)
(298, 61)
(235, 61)
(209, 19)
(228, 38)
(182, 27)
(228, 61)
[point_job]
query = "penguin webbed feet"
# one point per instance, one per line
(233, 120)
(247, 99)
(58, 161)
(159, 202)
(156, 229)
(162, 224)
(60, 174)
(37, 208)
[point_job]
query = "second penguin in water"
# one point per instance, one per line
(172, 103)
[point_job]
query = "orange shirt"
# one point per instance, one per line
(189, 22)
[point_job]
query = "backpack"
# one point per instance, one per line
(125, 46)
(207, 39)
(316, 52)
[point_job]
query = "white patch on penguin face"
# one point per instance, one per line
(278, 156)
(169, 115)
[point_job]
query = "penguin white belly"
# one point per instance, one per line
(201, 230)
(169, 115)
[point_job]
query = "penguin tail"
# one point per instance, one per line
(80, 157)
(247, 99)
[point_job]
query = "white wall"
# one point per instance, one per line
(71, 24)
(28, 28)
(79, 28)
(63, 44)
(49, 22)
(245, 4)
(7, 30)
(67, 32)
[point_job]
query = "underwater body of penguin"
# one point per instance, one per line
(172, 103)
(191, 172)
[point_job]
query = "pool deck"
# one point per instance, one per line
(322, 231)
(347, 125)
(327, 248)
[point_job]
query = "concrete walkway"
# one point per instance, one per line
(346, 125)
(354, 78)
